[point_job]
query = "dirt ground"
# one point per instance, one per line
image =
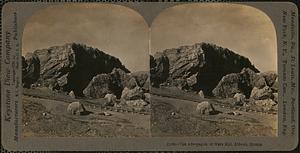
(174, 114)
(45, 115)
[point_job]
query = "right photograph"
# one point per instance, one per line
(213, 72)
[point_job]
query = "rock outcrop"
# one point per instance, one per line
(132, 94)
(201, 94)
(70, 67)
(99, 86)
(228, 86)
(244, 82)
(114, 82)
(197, 67)
(260, 94)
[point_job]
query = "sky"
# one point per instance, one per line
(114, 29)
(123, 33)
(242, 29)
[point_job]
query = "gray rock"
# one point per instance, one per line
(75, 108)
(205, 108)
(266, 104)
(71, 94)
(239, 97)
(132, 94)
(234, 113)
(228, 86)
(136, 103)
(260, 94)
(242, 82)
(131, 83)
(270, 78)
(99, 86)
(201, 94)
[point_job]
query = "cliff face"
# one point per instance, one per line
(197, 67)
(72, 66)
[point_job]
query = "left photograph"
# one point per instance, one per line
(85, 72)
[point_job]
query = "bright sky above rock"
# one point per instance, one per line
(114, 29)
(123, 33)
(240, 28)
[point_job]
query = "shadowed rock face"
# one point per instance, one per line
(197, 67)
(72, 66)
(30, 70)
(159, 69)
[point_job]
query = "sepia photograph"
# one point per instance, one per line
(213, 72)
(85, 72)
(149, 76)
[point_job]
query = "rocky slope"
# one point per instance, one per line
(68, 67)
(197, 67)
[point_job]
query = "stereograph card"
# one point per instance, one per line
(149, 76)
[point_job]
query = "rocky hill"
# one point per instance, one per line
(68, 67)
(197, 67)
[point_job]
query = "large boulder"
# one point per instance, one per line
(75, 108)
(270, 78)
(205, 108)
(72, 66)
(228, 86)
(197, 67)
(131, 83)
(201, 94)
(99, 86)
(111, 99)
(252, 79)
(239, 97)
(243, 82)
